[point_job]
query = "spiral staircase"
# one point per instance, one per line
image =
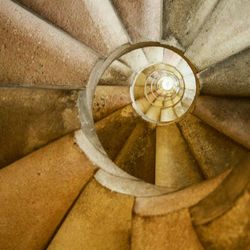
(124, 124)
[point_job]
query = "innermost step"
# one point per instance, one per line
(163, 91)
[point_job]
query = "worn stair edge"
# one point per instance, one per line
(150, 206)
(223, 197)
(135, 187)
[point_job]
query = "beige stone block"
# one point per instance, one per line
(171, 231)
(37, 191)
(100, 219)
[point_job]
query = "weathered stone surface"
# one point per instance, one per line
(224, 197)
(229, 77)
(100, 219)
(225, 33)
(37, 191)
(142, 18)
(230, 116)
(170, 231)
(231, 230)
(108, 99)
(137, 157)
(116, 74)
(175, 166)
(92, 23)
(114, 129)
(30, 118)
(173, 201)
(34, 52)
(213, 151)
(183, 19)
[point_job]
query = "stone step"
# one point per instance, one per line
(34, 52)
(137, 157)
(230, 116)
(175, 166)
(213, 151)
(141, 18)
(37, 191)
(230, 77)
(135, 59)
(231, 230)
(108, 99)
(31, 118)
(225, 33)
(168, 231)
(100, 219)
(183, 19)
(116, 74)
(90, 22)
(223, 198)
(114, 129)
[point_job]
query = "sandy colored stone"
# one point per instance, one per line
(214, 152)
(231, 231)
(30, 118)
(137, 157)
(229, 77)
(108, 99)
(170, 231)
(225, 33)
(90, 22)
(33, 52)
(175, 166)
(117, 73)
(100, 219)
(142, 18)
(173, 201)
(120, 123)
(37, 191)
(183, 19)
(223, 198)
(229, 116)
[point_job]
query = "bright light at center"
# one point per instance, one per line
(167, 83)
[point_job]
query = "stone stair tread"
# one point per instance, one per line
(31, 118)
(183, 19)
(230, 77)
(117, 73)
(108, 99)
(175, 165)
(230, 116)
(213, 151)
(141, 18)
(137, 156)
(37, 191)
(114, 129)
(85, 20)
(100, 219)
(34, 52)
(229, 231)
(224, 34)
(170, 231)
(222, 198)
